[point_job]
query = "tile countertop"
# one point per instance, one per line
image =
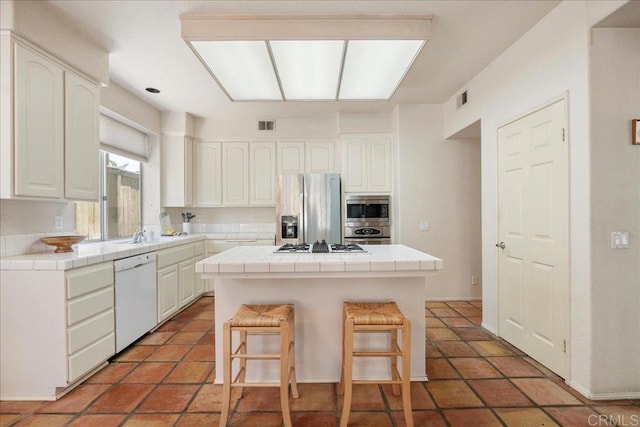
(92, 253)
(261, 260)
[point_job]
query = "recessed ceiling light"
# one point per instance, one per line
(152, 90)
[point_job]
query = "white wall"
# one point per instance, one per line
(247, 128)
(549, 61)
(42, 24)
(438, 180)
(615, 206)
(31, 217)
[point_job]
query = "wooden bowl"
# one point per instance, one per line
(62, 243)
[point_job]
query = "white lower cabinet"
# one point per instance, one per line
(167, 292)
(176, 278)
(56, 327)
(90, 318)
(186, 281)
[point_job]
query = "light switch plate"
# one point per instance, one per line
(619, 240)
(59, 223)
(425, 226)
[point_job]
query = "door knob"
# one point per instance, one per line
(500, 245)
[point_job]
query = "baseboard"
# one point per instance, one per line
(603, 396)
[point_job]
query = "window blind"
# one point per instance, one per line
(119, 138)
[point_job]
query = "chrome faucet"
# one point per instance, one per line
(137, 236)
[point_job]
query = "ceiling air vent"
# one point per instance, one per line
(266, 125)
(462, 99)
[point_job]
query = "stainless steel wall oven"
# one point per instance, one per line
(367, 219)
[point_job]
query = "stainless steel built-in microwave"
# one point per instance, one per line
(361, 210)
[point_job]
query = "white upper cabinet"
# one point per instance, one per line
(50, 132)
(82, 111)
(235, 173)
(379, 164)
(207, 178)
(320, 157)
(306, 157)
(291, 157)
(366, 164)
(243, 173)
(39, 132)
(177, 170)
(262, 173)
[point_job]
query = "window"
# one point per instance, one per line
(119, 211)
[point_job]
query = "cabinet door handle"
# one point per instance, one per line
(500, 245)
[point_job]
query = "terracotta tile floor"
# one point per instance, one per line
(475, 379)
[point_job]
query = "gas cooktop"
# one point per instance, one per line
(319, 248)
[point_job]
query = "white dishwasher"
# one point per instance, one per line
(136, 298)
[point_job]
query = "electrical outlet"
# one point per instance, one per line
(619, 240)
(252, 218)
(59, 222)
(425, 226)
(475, 280)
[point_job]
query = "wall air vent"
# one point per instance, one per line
(266, 125)
(462, 99)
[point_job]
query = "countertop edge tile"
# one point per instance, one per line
(91, 253)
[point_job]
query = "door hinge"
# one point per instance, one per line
(562, 134)
(564, 346)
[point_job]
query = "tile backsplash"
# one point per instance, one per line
(21, 244)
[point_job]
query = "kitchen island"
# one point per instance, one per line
(318, 284)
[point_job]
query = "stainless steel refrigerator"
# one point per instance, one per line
(308, 208)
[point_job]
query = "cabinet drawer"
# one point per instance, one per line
(91, 330)
(89, 305)
(174, 255)
(198, 248)
(86, 280)
(92, 356)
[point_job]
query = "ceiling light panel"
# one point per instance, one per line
(243, 68)
(310, 69)
(373, 69)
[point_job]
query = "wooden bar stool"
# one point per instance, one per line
(275, 319)
(361, 317)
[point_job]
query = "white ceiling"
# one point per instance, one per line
(146, 48)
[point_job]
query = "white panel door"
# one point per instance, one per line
(354, 164)
(82, 145)
(235, 173)
(379, 164)
(290, 157)
(186, 281)
(39, 109)
(533, 215)
(262, 173)
(207, 176)
(320, 157)
(168, 297)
